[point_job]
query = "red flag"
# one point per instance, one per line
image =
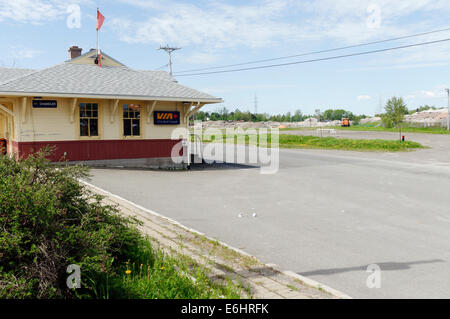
(100, 57)
(100, 20)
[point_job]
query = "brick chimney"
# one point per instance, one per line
(74, 52)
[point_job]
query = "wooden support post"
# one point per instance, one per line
(114, 106)
(73, 107)
(6, 110)
(9, 120)
(186, 113)
(24, 109)
(150, 108)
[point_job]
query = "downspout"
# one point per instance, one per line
(188, 142)
(188, 115)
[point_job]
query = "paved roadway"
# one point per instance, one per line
(325, 214)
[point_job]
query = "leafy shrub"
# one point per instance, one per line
(387, 121)
(49, 221)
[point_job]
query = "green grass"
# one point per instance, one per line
(296, 141)
(156, 275)
(406, 129)
(331, 143)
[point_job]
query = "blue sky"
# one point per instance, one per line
(37, 34)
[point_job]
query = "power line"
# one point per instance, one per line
(317, 52)
(320, 59)
(162, 67)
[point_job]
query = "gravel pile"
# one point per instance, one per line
(425, 118)
(430, 117)
(370, 120)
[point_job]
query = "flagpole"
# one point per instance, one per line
(100, 20)
(97, 33)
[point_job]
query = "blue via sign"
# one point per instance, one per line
(166, 118)
(52, 104)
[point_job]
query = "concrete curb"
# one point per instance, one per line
(305, 280)
(315, 284)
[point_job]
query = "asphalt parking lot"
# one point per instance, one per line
(326, 214)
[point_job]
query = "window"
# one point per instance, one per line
(88, 119)
(131, 120)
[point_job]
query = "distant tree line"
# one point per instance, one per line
(223, 114)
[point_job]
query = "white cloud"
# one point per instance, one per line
(34, 11)
(398, 66)
(199, 58)
(147, 4)
(215, 25)
(253, 87)
(364, 97)
(20, 52)
(220, 25)
(436, 93)
(341, 18)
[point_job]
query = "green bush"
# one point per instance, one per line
(387, 121)
(49, 220)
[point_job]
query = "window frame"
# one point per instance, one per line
(80, 118)
(131, 119)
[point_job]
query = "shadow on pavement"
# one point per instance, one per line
(383, 266)
(220, 166)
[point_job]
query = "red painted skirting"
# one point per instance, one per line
(89, 150)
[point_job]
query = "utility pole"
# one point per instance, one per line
(256, 104)
(169, 51)
(380, 105)
(448, 115)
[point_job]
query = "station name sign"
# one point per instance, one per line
(50, 104)
(166, 117)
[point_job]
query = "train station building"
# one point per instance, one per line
(110, 115)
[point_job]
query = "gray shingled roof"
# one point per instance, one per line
(90, 80)
(8, 74)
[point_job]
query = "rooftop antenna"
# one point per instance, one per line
(169, 51)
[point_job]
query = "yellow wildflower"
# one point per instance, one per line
(128, 271)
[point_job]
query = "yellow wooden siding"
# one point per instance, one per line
(90, 59)
(55, 125)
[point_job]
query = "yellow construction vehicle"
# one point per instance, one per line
(345, 122)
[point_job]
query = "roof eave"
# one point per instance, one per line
(114, 97)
